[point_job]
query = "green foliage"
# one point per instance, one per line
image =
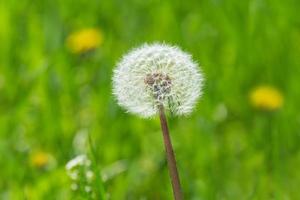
(51, 99)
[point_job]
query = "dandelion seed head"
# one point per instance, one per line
(157, 74)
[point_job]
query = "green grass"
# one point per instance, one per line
(49, 97)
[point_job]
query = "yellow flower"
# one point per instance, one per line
(40, 159)
(84, 40)
(266, 98)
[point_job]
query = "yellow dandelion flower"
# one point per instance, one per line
(266, 98)
(40, 159)
(84, 40)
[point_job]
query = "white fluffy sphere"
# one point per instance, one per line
(157, 74)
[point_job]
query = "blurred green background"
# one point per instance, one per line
(52, 98)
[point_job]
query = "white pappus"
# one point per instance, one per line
(157, 74)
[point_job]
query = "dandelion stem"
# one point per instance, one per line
(170, 155)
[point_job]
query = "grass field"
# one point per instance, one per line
(56, 100)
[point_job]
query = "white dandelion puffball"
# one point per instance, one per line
(154, 75)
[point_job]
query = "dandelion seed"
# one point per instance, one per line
(154, 75)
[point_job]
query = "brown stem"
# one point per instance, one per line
(170, 155)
